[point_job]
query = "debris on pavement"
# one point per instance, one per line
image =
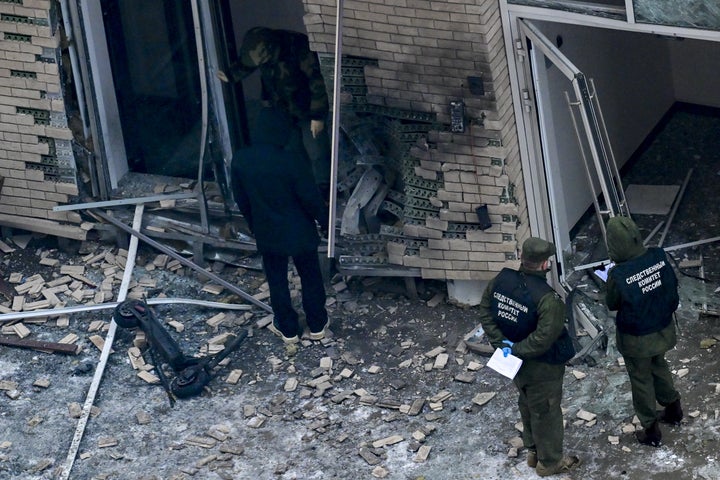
(388, 395)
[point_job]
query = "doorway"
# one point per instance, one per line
(154, 63)
(638, 78)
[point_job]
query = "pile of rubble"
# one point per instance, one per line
(395, 392)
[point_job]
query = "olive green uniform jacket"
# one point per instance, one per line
(625, 243)
(539, 383)
(551, 321)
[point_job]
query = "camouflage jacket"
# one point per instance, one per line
(291, 79)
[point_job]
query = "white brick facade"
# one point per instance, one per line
(36, 161)
(425, 52)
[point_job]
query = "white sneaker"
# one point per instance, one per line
(321, 334)
(287, 340)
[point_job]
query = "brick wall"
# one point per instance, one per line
(427, 52)
(37, 167)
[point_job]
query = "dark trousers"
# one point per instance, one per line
(313, 291)
(650, 381)
(540, 387)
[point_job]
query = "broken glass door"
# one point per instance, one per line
(574, 155)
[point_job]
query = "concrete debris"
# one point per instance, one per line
(435, 352)
(105, 442)
(516, 442)
(391, 440)
(369, 456)
(232, 448)
(465, 377)
(474, 366)
(202, 442)
(441, 396)
(142, 418)
(149, 377)
(291, 384)
(422, 454)
(379, 472)
(320, 391)
(13, 394)
(42, 383)
(440, 361)
(483, 398)
(436, 300)
(627, 428)
(586, 416)
(256, 422)
(35, 421)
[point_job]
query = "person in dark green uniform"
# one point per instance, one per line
(523, 315)
(643, 288)
(292, 82)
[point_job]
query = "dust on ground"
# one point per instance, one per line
(392, 394)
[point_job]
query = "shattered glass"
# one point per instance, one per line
(614, 9)
(702, 14)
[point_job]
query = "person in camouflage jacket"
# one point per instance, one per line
(292, 82)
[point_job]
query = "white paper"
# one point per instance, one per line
(603, 272)
(507, 366)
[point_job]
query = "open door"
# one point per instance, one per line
(155, 72)
(155, 94)
(572, 165)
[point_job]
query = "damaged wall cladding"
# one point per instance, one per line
(427, 56)
(37, 166)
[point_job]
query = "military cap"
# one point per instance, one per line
(537, 250)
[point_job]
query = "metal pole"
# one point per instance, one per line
(124, 201)
(107, 347)
(337, 83)
(203, 117)
(678, 199)
(653, 232)
(56, 312)
(182, 259)
(692, 244)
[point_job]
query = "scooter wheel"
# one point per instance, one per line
(126, 313)
(189, 385)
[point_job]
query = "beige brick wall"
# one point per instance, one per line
(33, 123)
(425, 52)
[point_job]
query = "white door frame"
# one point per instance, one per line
(525, 105)
(108, 132)
(107, 129)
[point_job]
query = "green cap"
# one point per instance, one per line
(537, 250)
